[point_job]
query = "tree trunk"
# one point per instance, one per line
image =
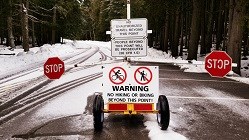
(231, 11)
(203, 28)
(162, 38)
(181, 39)
(24, 22)
(225, 29)
(176, 34)
(195, 32)
(208, 39)
(150, 40)
(33, 34)
(187, 34)
(10, 24)
(1, 23)
(236, 33)
(247, 47)
(245, 40)
(54, 25)
(220, 25)
(166, 33)
(171, 31)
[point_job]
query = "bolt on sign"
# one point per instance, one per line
(129, 37)
(130, 84)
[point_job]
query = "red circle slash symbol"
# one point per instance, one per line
(117, 75)
(143, 75)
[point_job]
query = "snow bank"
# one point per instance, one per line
(157, 134)
(6, 51)
(34, 56)
(40, 55)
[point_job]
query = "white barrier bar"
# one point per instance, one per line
(108, 32)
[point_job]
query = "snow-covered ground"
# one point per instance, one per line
(41, 54)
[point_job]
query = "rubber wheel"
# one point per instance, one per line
(98, 114)
(163, 115)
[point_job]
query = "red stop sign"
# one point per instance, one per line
(54, 68)
(218, 63)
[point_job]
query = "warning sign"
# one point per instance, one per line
(130, 84)
(132, 47)
(129, 37)
(123, 28)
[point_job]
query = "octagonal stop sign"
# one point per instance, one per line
(218, 63)
(54, 68)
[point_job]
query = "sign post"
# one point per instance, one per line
(54, 68)
(128, 9)
(130, 89)
(218, 63)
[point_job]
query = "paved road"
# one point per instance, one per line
(201, 107)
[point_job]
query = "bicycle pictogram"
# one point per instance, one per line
(117, 75)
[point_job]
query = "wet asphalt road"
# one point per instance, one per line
(201, 107)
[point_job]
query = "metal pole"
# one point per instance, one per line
(128, 9)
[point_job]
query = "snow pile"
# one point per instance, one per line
(35, 56)
(86, 44)
(99, 43)
(245, 68)
(40, 54)
(193, 68)
(6, 51)
(240, 79)
(157, 134)
(154, 55)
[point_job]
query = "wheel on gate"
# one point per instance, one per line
(163, 115)
(98, 114)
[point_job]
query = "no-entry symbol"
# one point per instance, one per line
(143, 75)
(117, 75)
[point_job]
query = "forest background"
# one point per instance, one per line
(193, 26)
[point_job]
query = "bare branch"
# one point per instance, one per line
(39, 13)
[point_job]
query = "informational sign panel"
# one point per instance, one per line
(129, 28)
(131, 47)
(130, 84)
(129, 37)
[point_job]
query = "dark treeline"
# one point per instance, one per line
(38, 22)
(178, 25)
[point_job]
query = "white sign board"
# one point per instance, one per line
(130, 48)
(129, 28)
(130, 84)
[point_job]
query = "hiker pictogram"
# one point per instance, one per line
(143, 75)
